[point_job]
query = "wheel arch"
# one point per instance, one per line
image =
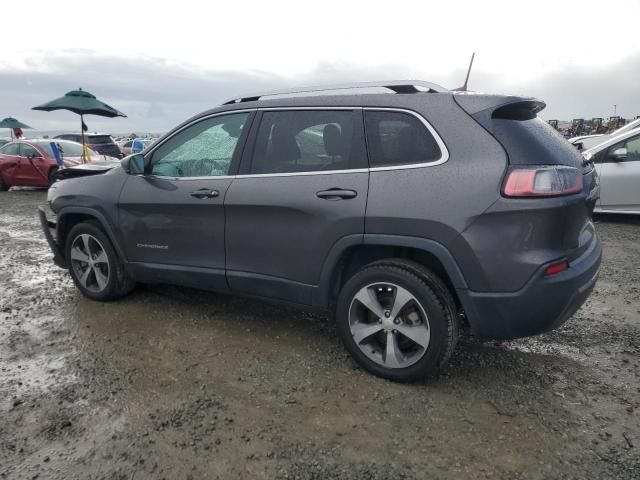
(353, 252)
(69, 217)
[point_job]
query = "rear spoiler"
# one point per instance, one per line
(499, 106)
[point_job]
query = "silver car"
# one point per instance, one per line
(617, 162)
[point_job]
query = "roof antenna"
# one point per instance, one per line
(463, 88)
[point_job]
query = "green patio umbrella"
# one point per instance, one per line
(12, 123)
(82, 103)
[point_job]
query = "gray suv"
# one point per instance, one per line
(402, 207)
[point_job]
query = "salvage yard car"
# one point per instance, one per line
(100, 142)
(402, 207)
(617, 162)
(32, 163)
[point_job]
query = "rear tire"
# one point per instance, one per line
(415, 329)
(94, 265)
(52, 173)
(3, 186)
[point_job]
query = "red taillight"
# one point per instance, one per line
(556, 268)
(542, 182)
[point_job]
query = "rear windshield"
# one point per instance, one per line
(531, 142)
(100, 139)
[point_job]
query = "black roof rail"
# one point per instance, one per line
(396, 86)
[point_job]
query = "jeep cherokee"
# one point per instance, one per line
(402, 207)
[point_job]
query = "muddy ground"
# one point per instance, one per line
(180, 384)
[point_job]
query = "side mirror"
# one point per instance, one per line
(134, 164)
(619, 154)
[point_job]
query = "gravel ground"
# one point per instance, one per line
(180, 384)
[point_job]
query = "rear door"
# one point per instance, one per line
(303, 186)
(620, 178)
(172, 220)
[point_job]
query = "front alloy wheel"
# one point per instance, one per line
(90, 263)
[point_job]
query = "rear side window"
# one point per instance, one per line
(396, 138)
(28, 151)
(307, 141)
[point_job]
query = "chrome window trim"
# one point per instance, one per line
(444, 157)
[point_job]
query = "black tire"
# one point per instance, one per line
(3, 186)
(432, 295)
(118, 284)
(52, 172)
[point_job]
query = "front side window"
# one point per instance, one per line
(632, 146)
(306, 141)
(396, 138)
(201, 150)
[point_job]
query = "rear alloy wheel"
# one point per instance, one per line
(398, 320)
(94, 264)
(389, 325)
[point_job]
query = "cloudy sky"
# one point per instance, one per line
(161, 62)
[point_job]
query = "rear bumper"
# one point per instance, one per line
(543, 304)
(47, 227)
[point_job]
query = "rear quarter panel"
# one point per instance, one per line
(440, 202)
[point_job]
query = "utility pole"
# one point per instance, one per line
(615, 109)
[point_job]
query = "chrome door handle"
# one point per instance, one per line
(337, 194)
(205, 193)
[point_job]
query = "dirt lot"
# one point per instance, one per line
(177, 384)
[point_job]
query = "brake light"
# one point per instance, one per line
(542, 182)
(556, 268)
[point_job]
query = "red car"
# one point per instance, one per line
(30, 163)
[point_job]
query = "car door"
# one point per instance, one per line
(32, 167)
(9, 162)
(619, 171)
(302, 187)
(172, 219)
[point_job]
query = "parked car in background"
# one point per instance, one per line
(586, 142)
(99, 142)
(135, 145)
(401, 210)
(31, 163)
(618, 164)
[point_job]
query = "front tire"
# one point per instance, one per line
(94, 265)
(398, 320)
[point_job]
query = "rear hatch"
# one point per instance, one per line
(546, 224)
(104, 145)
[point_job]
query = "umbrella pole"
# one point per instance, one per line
(84, 160)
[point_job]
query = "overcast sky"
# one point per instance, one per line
(160, 62)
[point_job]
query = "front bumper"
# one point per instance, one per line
(543, 304)
(47, 227)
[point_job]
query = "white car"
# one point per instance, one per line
(585, 142)
(617, 162)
